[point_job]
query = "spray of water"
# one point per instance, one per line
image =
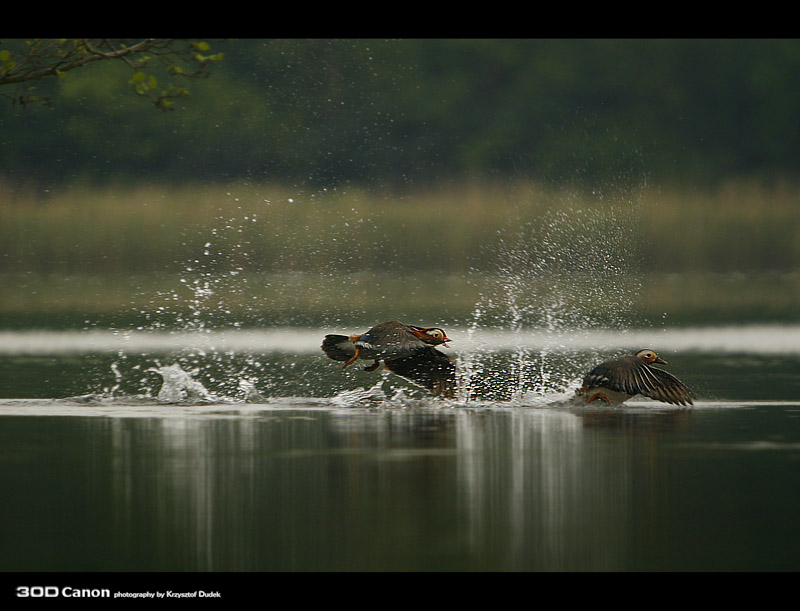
(569, 270)
(566, 270)
(209, 292)
(202, 299)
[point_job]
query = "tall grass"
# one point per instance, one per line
(738, 227)
(454, 228)
(267, 254)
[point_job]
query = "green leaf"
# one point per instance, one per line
(201, 46)
(5, 55)
(138, 78)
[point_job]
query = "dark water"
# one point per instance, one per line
(333, 471)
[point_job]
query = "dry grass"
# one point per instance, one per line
(739, 227)
(268, 253)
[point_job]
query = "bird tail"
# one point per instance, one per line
(338, 347)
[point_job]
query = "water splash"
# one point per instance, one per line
(361, 397)
(387, 392)
(180, 386)
(251, 394)
(206, 293)
(564, 271)
(568, 271)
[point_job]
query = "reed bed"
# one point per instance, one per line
(738, 227)
(272, 254)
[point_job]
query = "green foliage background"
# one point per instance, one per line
(418, 111)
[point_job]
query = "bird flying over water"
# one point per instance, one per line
(406, 350)
(619, 379)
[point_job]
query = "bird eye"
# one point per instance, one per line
(436, 333)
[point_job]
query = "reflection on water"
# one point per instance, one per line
(288, 487)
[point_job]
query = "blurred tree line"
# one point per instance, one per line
(321, 112)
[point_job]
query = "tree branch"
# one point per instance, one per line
(55, 58)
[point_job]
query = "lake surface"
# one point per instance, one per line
(250, 451)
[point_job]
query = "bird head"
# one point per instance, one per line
(649, 357)
(431, 335)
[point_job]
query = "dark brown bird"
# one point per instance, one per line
(406, 350)
(619, 379)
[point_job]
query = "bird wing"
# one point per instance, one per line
(427, 367)
(632, 376)
(390, 339)
(668, 388)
